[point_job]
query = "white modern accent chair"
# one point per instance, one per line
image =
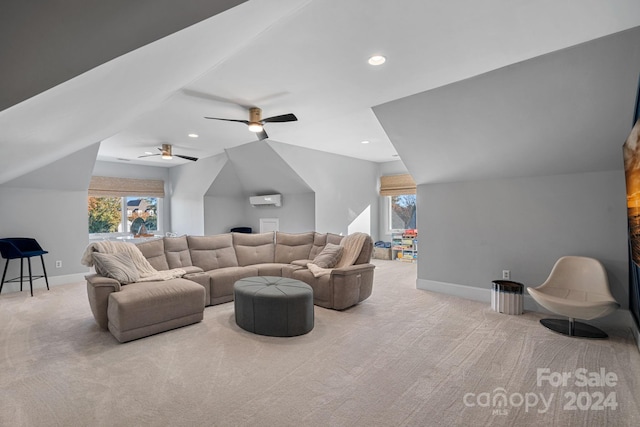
(577, 287)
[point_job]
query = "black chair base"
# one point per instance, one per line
(22, 276)
(571, 328)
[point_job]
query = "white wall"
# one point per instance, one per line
(296, 215)
(189, 183)
(345, 187)
(223, 213)
(321, 191)
(471, 231)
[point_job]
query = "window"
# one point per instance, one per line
(141, 211)
(401, 198)
(123, 214)
(402, 212)
(125, 205)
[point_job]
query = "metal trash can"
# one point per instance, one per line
(507, 297)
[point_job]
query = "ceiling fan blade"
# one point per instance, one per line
(193, 159)
(246, 122)
(279, 119)
(148, 155)
(262, 135)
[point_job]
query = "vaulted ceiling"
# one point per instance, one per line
(457, 72)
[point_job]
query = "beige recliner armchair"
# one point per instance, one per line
(577, 287)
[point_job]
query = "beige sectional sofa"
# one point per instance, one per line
(212, 264)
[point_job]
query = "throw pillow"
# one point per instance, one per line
(329, 256)
(117, 266)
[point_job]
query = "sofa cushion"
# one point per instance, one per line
(329, 256)
(222, 280)
(254, 248)
(153, 251)
(288, 269)
(336, 239)
(118, 266)
(176, 250)
(143, 309)
(320, 240)
(290, 247)
(191, 269)
(212, 252)
(270, 269)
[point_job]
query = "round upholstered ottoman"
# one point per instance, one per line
(274, 306)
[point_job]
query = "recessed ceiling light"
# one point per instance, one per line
(193, 135)
(365, 142)
(148, 152)
(377, 60)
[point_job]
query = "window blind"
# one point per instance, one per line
(395, 185)
(106, 186)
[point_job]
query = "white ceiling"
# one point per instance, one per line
(306, 57)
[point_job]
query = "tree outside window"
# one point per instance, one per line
(117, 214)
(402, 212)
(105, 214)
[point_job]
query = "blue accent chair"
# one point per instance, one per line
(22, 247)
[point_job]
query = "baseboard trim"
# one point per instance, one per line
(621, 318)
(40, 283)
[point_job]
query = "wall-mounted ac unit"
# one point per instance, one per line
(267, 200)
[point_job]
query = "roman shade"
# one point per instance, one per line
(395, 185)
(106, 186)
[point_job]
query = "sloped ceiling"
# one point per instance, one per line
(260, 170)
(565, 112)
(54, 41)
(101, 102)
(303, 56)
(226, 183)
(71, 173)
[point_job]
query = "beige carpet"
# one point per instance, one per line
(403, 357)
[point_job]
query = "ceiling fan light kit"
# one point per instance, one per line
(256, 122)
(166, 152)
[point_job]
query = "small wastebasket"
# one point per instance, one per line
(506, 297)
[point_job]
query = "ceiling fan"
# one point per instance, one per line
(167, 154)
(256, 122)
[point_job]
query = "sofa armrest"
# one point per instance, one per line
(98, 281)
(98, 290)
(351, 285)
(352, 269)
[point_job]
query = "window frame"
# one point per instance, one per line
(124, 220)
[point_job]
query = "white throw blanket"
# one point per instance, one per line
(146, 270)
(352, 246)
